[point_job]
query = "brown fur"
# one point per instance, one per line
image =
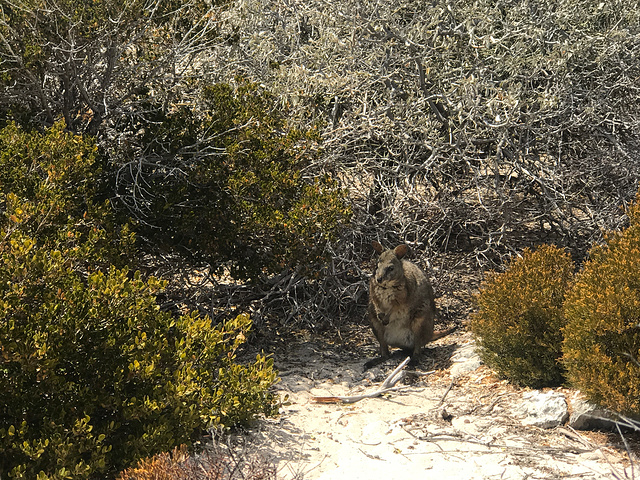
(401, 304)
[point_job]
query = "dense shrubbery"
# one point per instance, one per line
(534, 323)
(225, 183)
(602, 336)
(93, 375)
(475, 125)
(214, 173)
(480, 127)
(519, 319)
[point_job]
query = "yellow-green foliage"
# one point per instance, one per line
(93, 375)
(519, 318)
(47, 189)
(602, 336)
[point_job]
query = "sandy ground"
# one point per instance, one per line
(451, 418)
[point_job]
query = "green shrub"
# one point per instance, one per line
(93, 375)
(48, 188)
(602, 335)
(231, 183)
(519, 317)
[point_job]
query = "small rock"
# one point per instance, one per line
(544, 410)
(464, 352)
(587, 416)
(466, 367)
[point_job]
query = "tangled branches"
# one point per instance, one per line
(477, 126)
(474, 128)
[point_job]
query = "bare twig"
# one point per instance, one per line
(453, 382)
(629, 452)
(387, 386)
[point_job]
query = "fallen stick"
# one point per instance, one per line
(387, 386)
(453, 382)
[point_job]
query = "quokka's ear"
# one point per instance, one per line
(400, 250)
(377, 247)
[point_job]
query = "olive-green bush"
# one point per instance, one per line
(225, 183)
(93, 375)
(602, 335)
(48, 190)
(518, 322)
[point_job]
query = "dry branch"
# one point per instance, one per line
(387, 386)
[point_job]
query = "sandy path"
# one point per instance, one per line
(450, 423)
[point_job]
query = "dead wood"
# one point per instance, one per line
(387, 386)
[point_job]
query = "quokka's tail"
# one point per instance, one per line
(443, 333)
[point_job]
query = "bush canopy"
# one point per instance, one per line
(93, 374)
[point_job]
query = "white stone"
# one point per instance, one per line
(543, 409)
(465, 360)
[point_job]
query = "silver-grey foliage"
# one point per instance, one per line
(94, 63)
(481, 126)
(474, 127)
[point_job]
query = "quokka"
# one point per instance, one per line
(402, 305)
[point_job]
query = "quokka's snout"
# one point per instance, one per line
(401, 304)
(390, 267)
